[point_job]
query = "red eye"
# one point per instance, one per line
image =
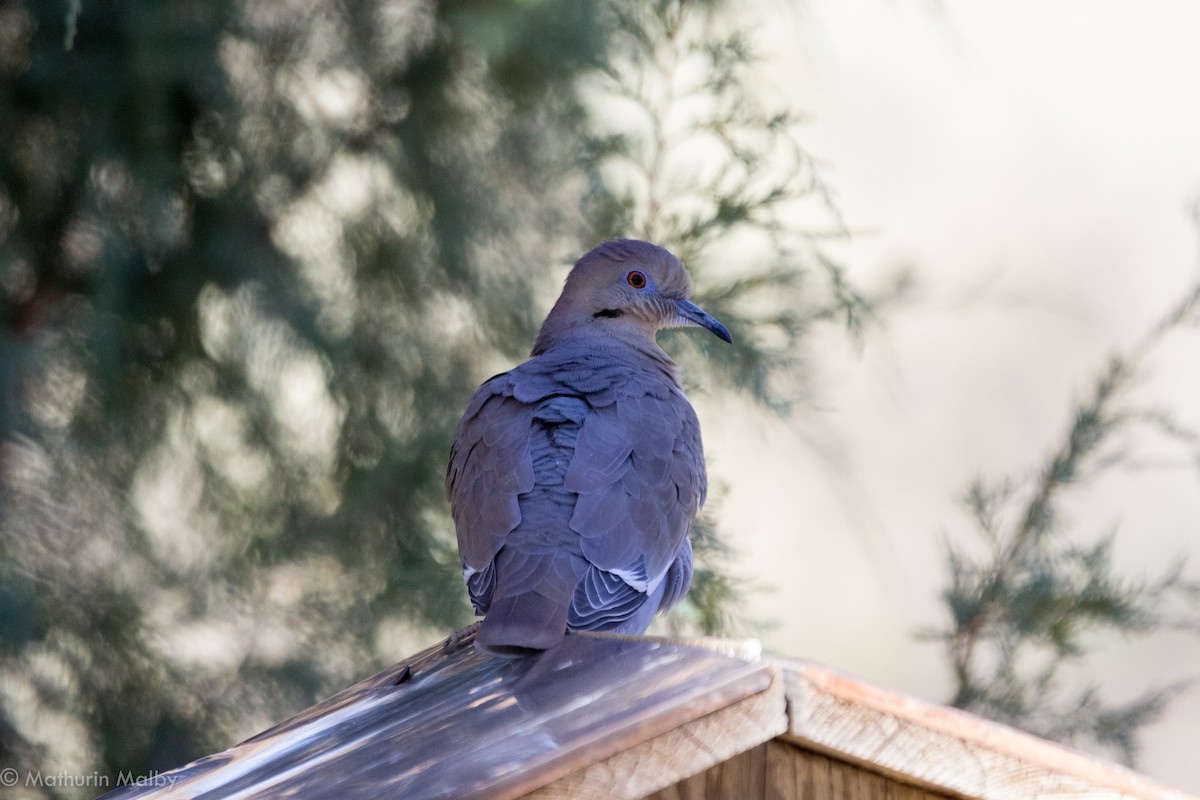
(636, 279)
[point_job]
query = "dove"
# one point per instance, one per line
(574, 478)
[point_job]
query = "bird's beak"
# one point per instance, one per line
(692, 314)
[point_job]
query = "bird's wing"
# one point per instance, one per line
(638, 469)
(489, 467)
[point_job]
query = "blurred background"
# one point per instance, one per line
(255, 256)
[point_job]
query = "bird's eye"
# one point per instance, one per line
(636, 279)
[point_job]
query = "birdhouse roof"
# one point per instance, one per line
(621, 717)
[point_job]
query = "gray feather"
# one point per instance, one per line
(574, 479)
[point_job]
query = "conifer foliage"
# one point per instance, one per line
(254, 258)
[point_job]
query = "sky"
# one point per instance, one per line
(1036, 166)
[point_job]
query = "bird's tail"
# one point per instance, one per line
(521, 625)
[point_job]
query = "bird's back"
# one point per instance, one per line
(573, 481)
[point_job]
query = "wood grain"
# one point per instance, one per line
(777, 770)
(798, 773)
(684, 751)
(944, 748)
(743, 777)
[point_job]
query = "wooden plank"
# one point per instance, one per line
(742, 777)
(778, 770)
(715, 739)
(783, 778)
(820, 777)
(943, 748)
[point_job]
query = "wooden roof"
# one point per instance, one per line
(464, 725)
(623, 717)
(943, 748)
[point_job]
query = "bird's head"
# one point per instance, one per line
(628, 290)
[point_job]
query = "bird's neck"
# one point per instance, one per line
(567, 323)
(625, 339)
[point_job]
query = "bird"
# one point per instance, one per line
(574, 479)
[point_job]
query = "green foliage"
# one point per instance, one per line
(254, 258)
(681, 150)
(687, 153)
(1032, 604)
(249, 256)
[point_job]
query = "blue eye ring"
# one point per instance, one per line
(636, 279)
